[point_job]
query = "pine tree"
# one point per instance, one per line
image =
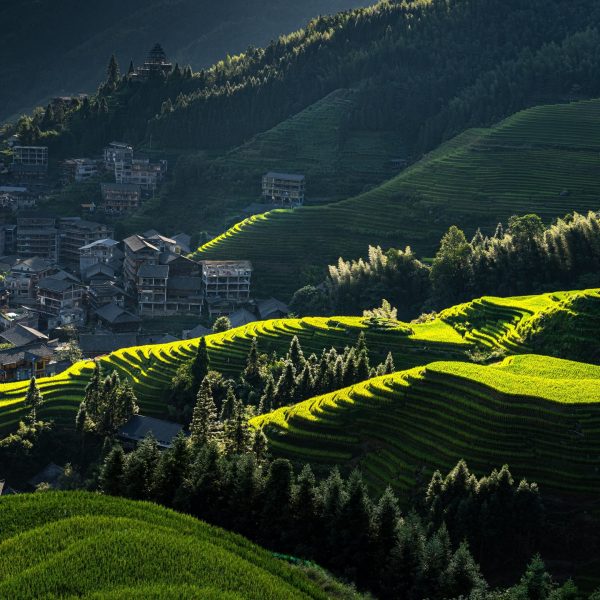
(252, 373)
(361, 343)
(139, 469)
(277, 503)
(499, 233)
(260, 446)
(462, 576)
(170, 471)
(304, 512)
(536, 583)
(131, 69)
(295, 354)
(362, 366)
(338, 373)
(111, 476)
(286, 386)
(204, 427)
(305, 383)
(113, 72)
(201, 363)
(349, 366)
(229, 405)
(33, 400)
(389, 366)
(267, 400)
(238, 435)
(385, 521)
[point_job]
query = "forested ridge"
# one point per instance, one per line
(50, 49)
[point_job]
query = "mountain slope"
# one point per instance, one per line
(511, 325)
(539, 414)
(51, 48)
(542, 160)
(75, 544)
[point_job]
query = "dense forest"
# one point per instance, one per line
(52, 49)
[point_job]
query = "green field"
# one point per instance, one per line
(541, 415)
(74, 544)
(487, 324)
(543, 160)
(151, 368)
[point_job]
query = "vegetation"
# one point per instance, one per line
(537, 412)
(486, 327)
(526, 171)
(76, 544)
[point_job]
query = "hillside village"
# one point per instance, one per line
(68, 277)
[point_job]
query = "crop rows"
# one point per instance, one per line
(539, 414)
(542, 160)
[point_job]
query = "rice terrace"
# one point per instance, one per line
(300, 300)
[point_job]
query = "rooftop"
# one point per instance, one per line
(25, 353)
(136, 243)
(154, 271)
(287, 176)
(114, 314)
(20, 335)
(138, 427)
(105, 343)
(106, 242)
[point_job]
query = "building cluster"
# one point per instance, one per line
(61, 272)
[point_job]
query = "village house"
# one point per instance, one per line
(116, 319)
(117, 152)
(38, 237)
(93, 345)
(76, 233)
(9, 239)
(29, 160)
(120, 198)
(23, 278)
(226, 285)
(98, 255)
(152, 289)
(30, 354)
(102, 292)
(139, 426)
(79, 170)
(61, 296)
(141, 172)
(283, 189)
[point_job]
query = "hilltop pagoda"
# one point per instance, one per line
(156, 63)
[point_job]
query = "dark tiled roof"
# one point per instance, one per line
(187, 284)
(52, 284)
(104, 343)
(289, 176)
(50, 474)
(271, 306)
(17, 355)
(113, 314)
(20, 335)
(156, 271)
(197, 332)
(34, 263)
(138, 427)
(241, 317)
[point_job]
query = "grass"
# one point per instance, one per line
(75, 544)
(539, 414)
(542, 160)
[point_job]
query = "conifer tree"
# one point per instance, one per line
(349, 366)
(267, 400)
(228, 406)
(139, 469)
(201, 363)
(295, 354)
(260, 446)
(170, 471)
(33, 400)
(204, 427)
(113, 72)
(362, 366)
(389, 366)
(252, 373)
(238, 435)
(338, 373)
(286, 386)
(305, 383)
(462, 576)
(131, 69)
(111, 475)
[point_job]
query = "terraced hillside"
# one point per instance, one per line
(508, 325)
(150, 368)
(542, 160)
(314, 142)
(74, 544)
(539, 414)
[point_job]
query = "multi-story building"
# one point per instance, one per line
(117, 152)
(23, 278)
(30, 160)
(155, 65)
(283, 189)
(37, 236)
(138, 252)
(141, 172)
(79, 169)
(152, 289)
(10, 239)
(101, 252)
(226, 284)
(119, 198)
(61, 296)
(76, 233)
